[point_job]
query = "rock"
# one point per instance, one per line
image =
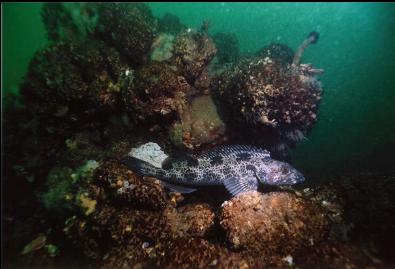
(193, 51)
(277, 52)
(162, 47)
(69, 21)
(200, 125)
(70, 85)
(129, 27)
(157, 96)
(126, 186)
(278, 100)
(191, 220)
(274, 223)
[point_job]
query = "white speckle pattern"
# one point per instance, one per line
(149, 152)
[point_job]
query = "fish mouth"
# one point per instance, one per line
(299, 178)
(296, 178)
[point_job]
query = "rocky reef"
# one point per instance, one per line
(269, 98)
(278, 52)
(193, 51)
(126, 220)
(268, 221)
(114, 77)
(71, 85)
(158, 92)
(129, 27)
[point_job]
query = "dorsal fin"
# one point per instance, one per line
(234, 149)
(178, 157)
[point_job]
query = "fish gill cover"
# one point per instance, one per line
(302, 80)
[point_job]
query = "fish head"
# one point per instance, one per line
(282, 173)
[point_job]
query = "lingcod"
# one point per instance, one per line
(240, 168)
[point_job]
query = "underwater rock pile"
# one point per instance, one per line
(269, 98)
(129, 27)
(268, 221)
(193, 51)
(144, 224)
(114, 77)
(69, 21)
(278, 52)
(109, 67)
(136, 222)
(171, 86)
(264, 93)
(158, 94)
(69, 85)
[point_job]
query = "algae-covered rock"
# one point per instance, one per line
(263, 93)
(128, 187)
(60, 189)
(73, 84)
(129, 27)
(158, 94)
(69, 21)
(274, 223)
(200, 125)
(193, 51)
(190, 220)
(273, 102)
(162, 47)
(67, 189)
(277, 52)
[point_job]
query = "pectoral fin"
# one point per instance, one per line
(178, 188)
(237, 186)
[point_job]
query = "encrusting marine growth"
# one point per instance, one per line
(269, 98)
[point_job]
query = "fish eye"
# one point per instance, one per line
(285, 170)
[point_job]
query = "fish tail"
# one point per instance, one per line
(143, 168)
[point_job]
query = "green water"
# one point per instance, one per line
(356, 126)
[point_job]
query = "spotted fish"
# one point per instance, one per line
(239, 168)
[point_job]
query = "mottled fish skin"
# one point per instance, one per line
(239, 167)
